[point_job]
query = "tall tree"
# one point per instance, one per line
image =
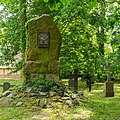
(87, 27)
(23, 20)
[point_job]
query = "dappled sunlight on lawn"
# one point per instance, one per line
(84, 114)
(97, 91)
(95, 107)
(117, 95)
(104, 108)
(11, 81)
(117, 90)
(117, 87)
(65, 114)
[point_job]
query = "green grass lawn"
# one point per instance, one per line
(11, 81)
(98, 107)
(104, 108)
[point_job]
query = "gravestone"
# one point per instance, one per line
(42, 56)
(74, 82)
(109, 88)
(6, 86)
(71, 80)
(89, 82)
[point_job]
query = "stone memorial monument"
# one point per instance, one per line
(109, 89)
(42, 56)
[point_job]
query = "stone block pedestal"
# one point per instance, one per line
(109, 89)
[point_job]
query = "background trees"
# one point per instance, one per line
(90, 32)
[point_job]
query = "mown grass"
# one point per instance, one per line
(104, 108)
(98, 107)
(11, 81)
(16, 113)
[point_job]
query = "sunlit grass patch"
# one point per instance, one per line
(64, 114)
(17, 113)
(11, 81)
(96, 107)
(81, 113)
(104, 108)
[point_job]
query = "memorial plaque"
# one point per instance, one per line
(43, 39)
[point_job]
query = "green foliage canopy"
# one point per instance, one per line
(90, 32)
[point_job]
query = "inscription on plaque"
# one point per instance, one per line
(43, 39)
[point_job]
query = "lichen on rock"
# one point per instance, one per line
(42, 60)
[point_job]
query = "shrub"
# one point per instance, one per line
(52, 85)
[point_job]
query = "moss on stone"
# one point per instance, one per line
(42, 60)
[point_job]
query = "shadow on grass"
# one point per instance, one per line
(104, 108)
(98, 107)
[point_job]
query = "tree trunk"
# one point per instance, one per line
(23, 29)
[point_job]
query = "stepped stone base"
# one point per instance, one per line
(36, 70)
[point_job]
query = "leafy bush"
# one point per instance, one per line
(52, 85)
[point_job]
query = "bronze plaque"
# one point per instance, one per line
(43, 39)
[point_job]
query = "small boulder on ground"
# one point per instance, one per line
(19, 104)
(6, 93)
